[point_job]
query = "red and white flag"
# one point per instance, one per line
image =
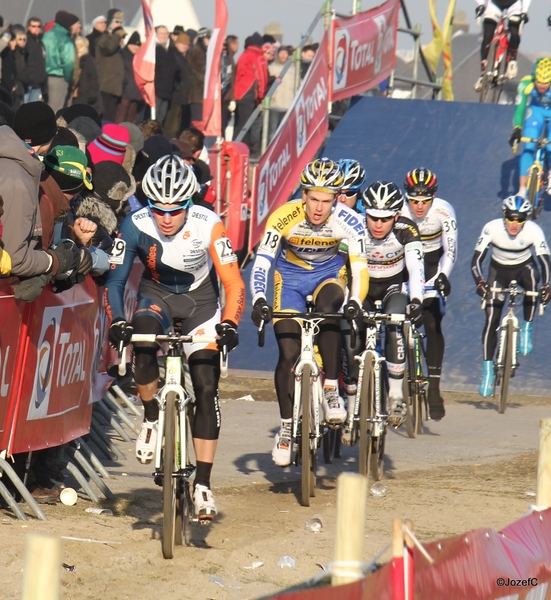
(211, 124)
(144, 59)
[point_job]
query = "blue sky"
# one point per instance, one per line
(295, 16)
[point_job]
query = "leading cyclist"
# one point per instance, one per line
(302, 237)
(435, 219)
(183, 249)
(513, 240)
(534, 93)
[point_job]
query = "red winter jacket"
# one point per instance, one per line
(252, 69)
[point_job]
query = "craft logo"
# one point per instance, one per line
(342, 44)
(262, 193)
(300, 119)
(47, 344)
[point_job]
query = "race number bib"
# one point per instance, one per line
(118, 252)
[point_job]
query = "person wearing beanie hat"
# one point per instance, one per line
(110, 145)
(175, 32)
(88, 128)
(67, 165)
(64, 137)
(81, 110)
(136, 136)
(157, 146)
(35, 124)
(131, 101)
(99, 25)
(60, 57)
(110, 64)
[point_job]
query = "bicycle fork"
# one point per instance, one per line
(501, 349)
(379, 417)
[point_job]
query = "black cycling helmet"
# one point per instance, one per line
(421, 182)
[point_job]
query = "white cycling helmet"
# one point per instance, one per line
(382, 199)
(516, 206)
(170, 181)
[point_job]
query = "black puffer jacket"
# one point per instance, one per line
(181, 86)
(36, 61)
(130, 90)
(88, 84)
(166, 69)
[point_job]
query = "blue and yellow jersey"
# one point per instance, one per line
(291, 238)
(528, 95)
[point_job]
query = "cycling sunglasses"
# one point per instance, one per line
(350, 193)
(173, 212)
(383, 219)
(415, 200)
(518, 220)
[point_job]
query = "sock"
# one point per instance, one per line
(522, 191)
(395, 389)
(330, 383)
(202, 474)
(434, 380)
(150, 410)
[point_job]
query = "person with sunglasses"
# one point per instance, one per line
(302, 238)
(394, 257)
(183, 248)
(354, 178)
(435, 219)
(514, 241)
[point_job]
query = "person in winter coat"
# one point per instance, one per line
(166, 69)
(36, 61)
(132, 104)
(227, 68)
(285, 92)
(251, 85)
(21, 73)
(197, 61)
(60, 58)
(87, 85)
(178, 117)
(110, 63)
(5, 259)
(99, 25)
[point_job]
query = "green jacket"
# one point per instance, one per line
(60, 52)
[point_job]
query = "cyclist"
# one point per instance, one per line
(394, 257)
(534, 93)
(435, 219)
(514, 240)
(516, 11)
(302, 237)
(183, 248)
(354, 178)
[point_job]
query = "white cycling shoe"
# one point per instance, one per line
(512, 69)
(146, 442)
(203, 502)
(333, 405)
(397, 412)
(281, 454)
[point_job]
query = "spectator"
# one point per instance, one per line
(86, 127)
(251, 85)
(306, 57)
(5, 37)
(110, 145)
(166, 69)
(178, 114)
(177, 31)
(131, 103)
(285, 92)
(21, 74)
(36, 61)
(196, 140)
(99, 25)
(227, 67)
(110, 63)
(150, 128)
(6, 115)
(79, 110)
(269, 47)
(9, 69)
(5, 260)
(87, 86)
(197, 61)
(60, 58)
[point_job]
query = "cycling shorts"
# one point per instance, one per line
(293, 283)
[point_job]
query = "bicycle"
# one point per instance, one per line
(173, 467)
(505, 363)
(494, 74)
(308, 428)
(537, 175)
(370, 408)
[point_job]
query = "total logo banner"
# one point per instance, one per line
(364, 49)
(295, 143)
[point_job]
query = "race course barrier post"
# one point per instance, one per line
(42, 572)
(543, 490)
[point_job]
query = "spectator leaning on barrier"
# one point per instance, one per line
(36, 61)
(110, 63)
(131, 104)
(60, 58)
(197, 61)
(99, 25)
(87, 85)
(166, 69)
(306, 57)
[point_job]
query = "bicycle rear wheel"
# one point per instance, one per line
(331, 445)
(533, 185)
(170, 482)
(305, 435)
(508, 358)
(367, 403)
(500, 78)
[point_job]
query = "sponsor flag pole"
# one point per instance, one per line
(441, 45)
(144, 60)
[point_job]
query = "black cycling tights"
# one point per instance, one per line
(204, 367)
(432, 320)
(489, 28)
(287, 332)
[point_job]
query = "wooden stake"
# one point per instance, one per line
(349, 541)
(398, 592)
(543, 490)
(409, 583)
(42, 570)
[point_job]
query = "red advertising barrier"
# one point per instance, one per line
(297, 140)
(234, 189)
(363, 50)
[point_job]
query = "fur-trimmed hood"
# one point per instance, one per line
(96, 210)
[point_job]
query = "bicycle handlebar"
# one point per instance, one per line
(517, 292)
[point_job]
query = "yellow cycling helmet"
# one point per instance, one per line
(322, 175)
(542, 71)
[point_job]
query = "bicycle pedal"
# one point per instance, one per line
(158, 479)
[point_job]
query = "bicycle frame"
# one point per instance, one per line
(538, 169)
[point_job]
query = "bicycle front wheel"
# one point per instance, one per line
(412, 415)
(500, 78)
(169, 481)
(367, 403)
(305, 435)
(508, 358)
(378, 442)
(488, 75)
